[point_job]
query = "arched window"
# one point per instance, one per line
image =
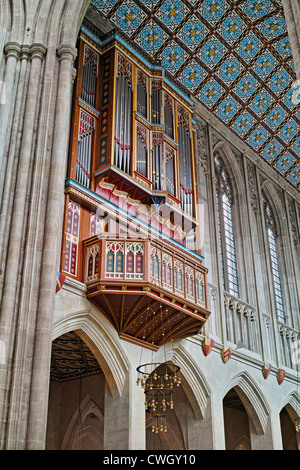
(224, 201)
(272, 243)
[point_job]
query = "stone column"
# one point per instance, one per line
(10, 290)
(124, 417)
(271, 439)
(9, 175)
(12, 51)
(32, 249)
(198, 430)
(217, 417)
(37, 420)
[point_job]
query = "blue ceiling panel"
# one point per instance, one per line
(234, 56)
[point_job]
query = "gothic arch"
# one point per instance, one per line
(279, 225)
(77, 430)
(71, 20)
(243, 444)
(275, 203)
(171, 440)
(193, 381)
(43, 21)
(47, 22)
(232, 167)
(17, 15)
(252, 399)
(102, 340)
(233, 185)
(292, 404)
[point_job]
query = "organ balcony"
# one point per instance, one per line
(151, 291)
(132, 181)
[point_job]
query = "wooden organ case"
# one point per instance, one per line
(131, 227)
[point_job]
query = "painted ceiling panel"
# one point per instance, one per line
(71, 358)
(234, 56)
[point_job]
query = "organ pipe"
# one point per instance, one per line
(170, 172)
(157, 162)
(156, 101)
(123, 117)
(84, 149)
(89, 76)
(141, 150)
(156, 156)
(168, 112)
(141, 94)
(185, 163)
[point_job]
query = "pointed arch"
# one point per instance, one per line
(54, 22)
(274, 201)
(18, 17)
(194, 383)
(243, 444)
(46, 21)
(230, 204)
(292, 404)
(99, 335)
(78, 430)
(223, 149)
(72, 19)
(171, 439)
(276, 233)
(253, 400)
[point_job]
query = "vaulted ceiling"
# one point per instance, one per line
(233, 56)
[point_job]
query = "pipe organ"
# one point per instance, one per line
(131, 176)
(89, 75)
(185, 162)
(129, 119)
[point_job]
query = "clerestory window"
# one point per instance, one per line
(272, 243)
(224, 199)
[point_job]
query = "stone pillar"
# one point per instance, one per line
(124, 417)
(271, 439)
(12, 159)
(10, 290)
(12, 51)
(217, 419)
(32, 249)
(198, 430)
(37, 419)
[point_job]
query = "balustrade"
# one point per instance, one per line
(289, 340)
(126, 276)
(147, 261)
(241, 323)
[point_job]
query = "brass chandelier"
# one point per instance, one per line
(158, 381)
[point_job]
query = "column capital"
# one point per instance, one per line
(66, 51)
(12, 49)
(37, 50)
(25, 51)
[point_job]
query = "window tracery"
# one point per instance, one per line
(224, 200)
(272, 243)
